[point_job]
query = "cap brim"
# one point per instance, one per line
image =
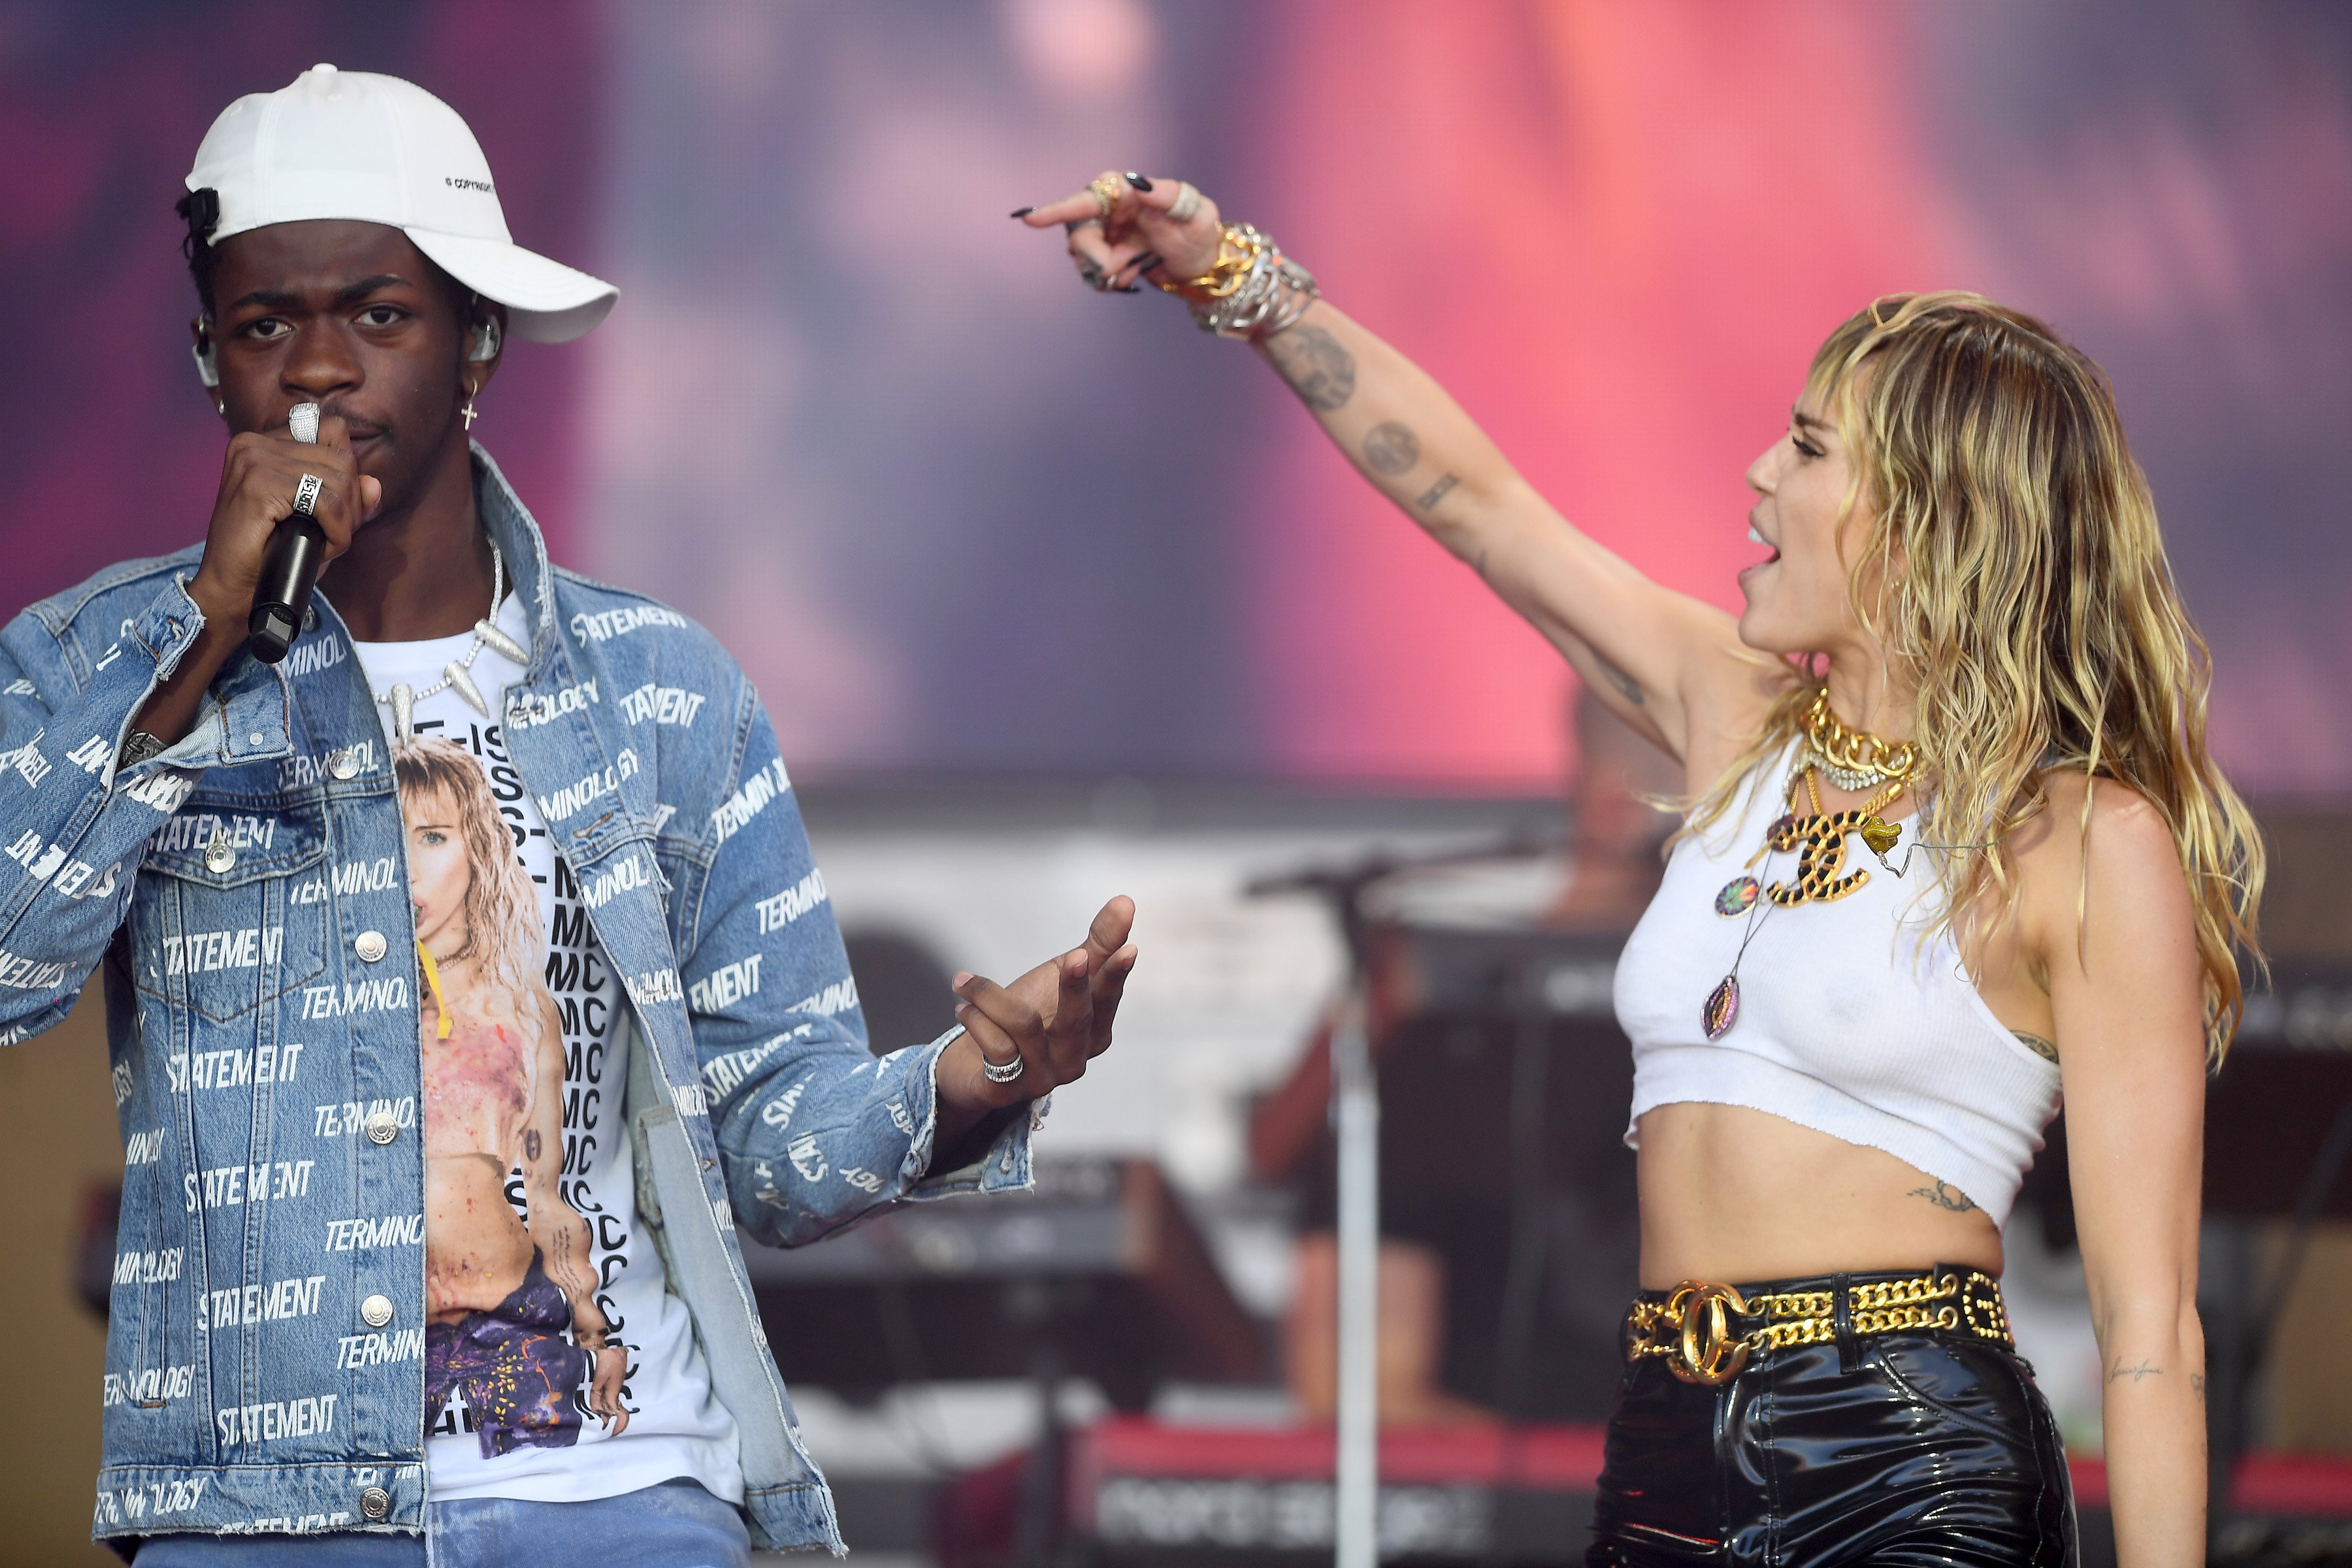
(546, 300)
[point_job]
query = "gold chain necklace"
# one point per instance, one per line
(1820, 841)
(1855, 759)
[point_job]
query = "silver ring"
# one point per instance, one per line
(995, 1074)
(1187, 202)
(303, 423)
(1091, 274)
(306, 494)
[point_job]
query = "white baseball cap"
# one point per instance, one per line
(353, 144)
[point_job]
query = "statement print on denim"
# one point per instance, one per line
(545, 1324)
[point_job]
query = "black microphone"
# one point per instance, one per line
(290, 570)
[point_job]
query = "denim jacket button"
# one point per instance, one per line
(374, 1502)
(383, 1127)
(220, 856)
(370, 945)
(344, 763)
(376, 1312)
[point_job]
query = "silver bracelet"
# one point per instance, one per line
(1272, 297)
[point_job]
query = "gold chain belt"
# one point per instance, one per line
(1696, 1326)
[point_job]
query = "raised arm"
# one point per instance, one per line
(1668, 664)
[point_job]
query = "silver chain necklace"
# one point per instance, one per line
(402, 699)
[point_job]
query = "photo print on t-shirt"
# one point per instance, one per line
(521, 1345)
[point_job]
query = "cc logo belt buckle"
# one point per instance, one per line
(1711, 1356)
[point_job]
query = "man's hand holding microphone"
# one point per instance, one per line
(266, 477)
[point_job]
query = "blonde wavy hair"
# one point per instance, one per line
(2016, 579)
(503, 935)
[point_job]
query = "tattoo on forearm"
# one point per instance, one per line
(530, 1145)
(2197, 1381)
(1436, 493)
(1627, 686)
(1315, 366)
(1944, 1196)
(2037, 1045)
(2146, 1369)
(1392, 449)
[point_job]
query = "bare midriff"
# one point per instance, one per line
(1732, 1196)
(477, 1087)
(476, 1251)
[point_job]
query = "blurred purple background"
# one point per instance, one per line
(959, 516)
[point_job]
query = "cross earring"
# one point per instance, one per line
(467, 413)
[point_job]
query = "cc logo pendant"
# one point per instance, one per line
(1820, 845)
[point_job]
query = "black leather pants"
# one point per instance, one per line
(1897, 1449)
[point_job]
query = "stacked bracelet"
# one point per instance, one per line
(1251, 291)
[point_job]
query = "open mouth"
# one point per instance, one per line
(1767, 544)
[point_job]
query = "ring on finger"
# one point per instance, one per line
(1091, 274)
(1005, 1072)
(1187, 202)
(306, 494)
(1105, 189)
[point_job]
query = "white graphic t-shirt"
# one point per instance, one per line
(557, 1367)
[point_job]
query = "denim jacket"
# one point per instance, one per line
(259, 959)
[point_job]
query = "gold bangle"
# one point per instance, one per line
(1236, 252)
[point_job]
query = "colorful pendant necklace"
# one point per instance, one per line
(1819, 840)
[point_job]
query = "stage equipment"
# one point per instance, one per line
(1356, 1116)
(1098, 1273)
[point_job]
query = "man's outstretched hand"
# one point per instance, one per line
(1053, 1020)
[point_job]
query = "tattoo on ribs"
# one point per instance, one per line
(1315, 366)
(1392, 449)
(1436, 493)
(2146, 1369)
(1944, 1196)
(2037, 1045)
(1627, 686)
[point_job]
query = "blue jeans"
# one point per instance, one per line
(675, 1525)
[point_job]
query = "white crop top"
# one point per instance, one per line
(1850, 1021)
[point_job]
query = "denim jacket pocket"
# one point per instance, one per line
(231, 909)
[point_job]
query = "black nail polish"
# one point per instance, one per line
(1137, 180)
(1156, 261)
(1022, 212)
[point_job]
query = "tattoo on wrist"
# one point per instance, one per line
(2037, 1045)
(2146, 1369)
(1436, 493)
(1316, 367)
(1630, 689)
(1392, 449)
(1944, 1196)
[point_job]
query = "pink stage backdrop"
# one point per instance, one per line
(959, 515)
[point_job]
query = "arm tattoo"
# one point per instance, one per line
(2037, 1045)
(530, 1145)
(2197, 1381)
(1391, 449)
(1315, 366)
(1945, 1197)
(1627, 686)
(2144, 1370)
(1436, 493)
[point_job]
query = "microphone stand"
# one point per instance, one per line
(1356, 1121)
